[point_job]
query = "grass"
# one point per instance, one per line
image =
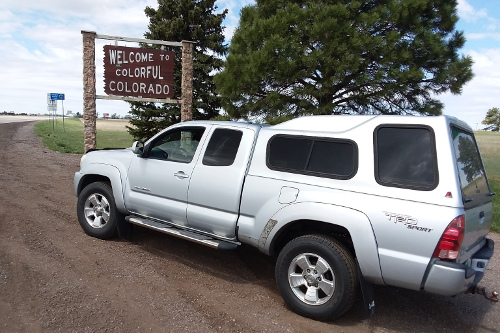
(71, 139)
(489, 145)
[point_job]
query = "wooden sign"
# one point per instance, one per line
(137, 72)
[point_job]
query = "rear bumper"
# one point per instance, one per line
(452, 278)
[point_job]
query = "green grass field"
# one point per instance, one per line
(489, 145)
(71, 139)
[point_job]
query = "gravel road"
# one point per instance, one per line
(54, 278)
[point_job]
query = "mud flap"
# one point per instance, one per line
(367, 292)
(124, 228)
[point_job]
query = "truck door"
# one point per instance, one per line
(158, 181)
(217, 181)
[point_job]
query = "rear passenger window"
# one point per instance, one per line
(406, 157)
(222, 147)
(313, 156)
(288, 153)
(334, 158)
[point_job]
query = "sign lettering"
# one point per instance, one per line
(135, 72)
(57, 96)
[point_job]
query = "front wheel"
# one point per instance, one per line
(317, 277)
(97, 212)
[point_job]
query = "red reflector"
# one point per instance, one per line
(450, 243)
(448, 195)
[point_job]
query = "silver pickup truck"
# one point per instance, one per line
(342, 202)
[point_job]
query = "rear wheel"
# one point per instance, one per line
(317, 277)
(97, 211)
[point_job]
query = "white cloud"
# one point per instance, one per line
(468, 13)
(41, 47)
(493, 26)
(41, 52)
(481, 93)
(484, 35)
(7, 24)
(233, 14)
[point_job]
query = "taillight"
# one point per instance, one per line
(449, 245)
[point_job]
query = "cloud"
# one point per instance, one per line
(41, 47)
(233, 15)
(481, 93)
(7, 24)
(484, 35)
(468, 13)
(479, 18)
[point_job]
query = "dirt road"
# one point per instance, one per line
(54, 278)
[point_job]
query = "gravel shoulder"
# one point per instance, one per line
(54, 278)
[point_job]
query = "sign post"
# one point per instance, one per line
(187, 81)
(89, 91)
(51, 108)
(52, 99)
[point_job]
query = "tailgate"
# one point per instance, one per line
(476, 194)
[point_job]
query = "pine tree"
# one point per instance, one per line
(301, 57)
(178, 20)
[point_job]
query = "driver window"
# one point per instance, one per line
(178, 145)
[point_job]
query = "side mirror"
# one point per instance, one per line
(138, 147)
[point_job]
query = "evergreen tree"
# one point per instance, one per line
(492, 119)
(177, 20)
(290, 58)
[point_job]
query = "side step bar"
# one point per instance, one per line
(188, 235)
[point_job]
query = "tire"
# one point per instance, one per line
(97, 211)
(317, 277)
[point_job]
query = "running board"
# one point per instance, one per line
(184, 234)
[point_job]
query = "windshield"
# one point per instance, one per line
(470, 167)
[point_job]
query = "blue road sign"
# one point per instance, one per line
(57, 96)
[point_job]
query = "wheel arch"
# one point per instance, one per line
(297, 228)
(92, 178)
(350, 227)
(107, 174)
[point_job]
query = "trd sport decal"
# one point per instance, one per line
(408, 221)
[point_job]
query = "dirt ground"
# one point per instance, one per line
(54, 278)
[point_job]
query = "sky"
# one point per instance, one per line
(41, 52)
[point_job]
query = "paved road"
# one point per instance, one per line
(54, 278)
(17, 119)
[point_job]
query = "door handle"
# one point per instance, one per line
(180, 175)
